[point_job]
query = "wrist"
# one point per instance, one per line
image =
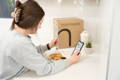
(48, 46)
(70, 61)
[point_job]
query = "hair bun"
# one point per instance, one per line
(18, 4)
(30, 0)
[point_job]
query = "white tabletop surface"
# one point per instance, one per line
(90, 67)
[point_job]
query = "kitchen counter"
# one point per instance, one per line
(90, 67)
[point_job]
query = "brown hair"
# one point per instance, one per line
(30, 14)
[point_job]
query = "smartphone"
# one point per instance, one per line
(78, 47)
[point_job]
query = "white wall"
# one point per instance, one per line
(105, 32)
(89, 13)
(114, 64)
(106, 18)
(5, 25)
(97, 19)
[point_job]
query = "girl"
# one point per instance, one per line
(19, 55)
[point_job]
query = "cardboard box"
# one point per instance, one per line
(68, 30)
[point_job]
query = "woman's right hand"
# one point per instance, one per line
(75, 58)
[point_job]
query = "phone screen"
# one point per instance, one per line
(78, 47)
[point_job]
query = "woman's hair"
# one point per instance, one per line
(28, 14)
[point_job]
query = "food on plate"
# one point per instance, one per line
(56, 56)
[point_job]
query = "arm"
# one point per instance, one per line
(42, 48)
(28, 57)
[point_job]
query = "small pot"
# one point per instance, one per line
(88, 50)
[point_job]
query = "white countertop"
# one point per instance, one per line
(90, 67)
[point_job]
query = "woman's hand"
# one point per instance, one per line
(75, 58)
(53, 43)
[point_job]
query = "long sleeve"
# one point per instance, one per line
(41, 48)
(26, 55)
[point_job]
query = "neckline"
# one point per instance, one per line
(16, 32)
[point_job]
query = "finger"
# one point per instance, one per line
(75, 53)
(78, 54)
(56, 41)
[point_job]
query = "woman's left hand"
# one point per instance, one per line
(53, 43)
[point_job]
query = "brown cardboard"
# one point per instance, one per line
(74, 25)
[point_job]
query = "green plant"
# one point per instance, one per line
(11, 4)
(89, 45)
